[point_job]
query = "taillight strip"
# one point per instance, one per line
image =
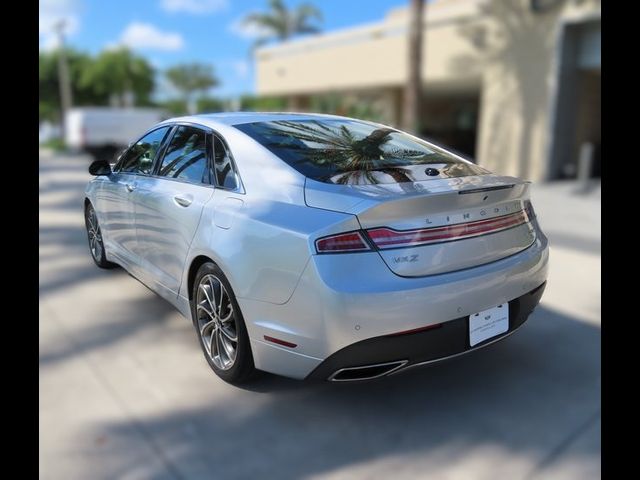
(385, 237)
(342, 243)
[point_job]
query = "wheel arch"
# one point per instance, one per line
(195, 265)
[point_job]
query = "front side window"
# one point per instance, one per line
(186, 156)
(353, 152)
(226, 176)
(139, 158)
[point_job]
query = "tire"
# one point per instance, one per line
(218, 323)
(94, 235)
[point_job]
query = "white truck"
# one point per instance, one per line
(103, 132)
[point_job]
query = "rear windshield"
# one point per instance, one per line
(352, 152)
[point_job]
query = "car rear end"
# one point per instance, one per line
(447, 258)
(413, 294)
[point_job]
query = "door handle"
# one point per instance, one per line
(131, 187)
(183, 201)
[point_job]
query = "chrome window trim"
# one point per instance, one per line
(162, 151)
(240, 188)
(160, 155)
(117, 168)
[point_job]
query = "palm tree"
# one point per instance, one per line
(352, 159)
(413, 89)
(281, 23)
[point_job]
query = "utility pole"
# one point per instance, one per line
(66, 101)
(413, 87)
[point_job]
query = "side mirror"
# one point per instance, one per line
(100, 167)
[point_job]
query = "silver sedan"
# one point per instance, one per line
(318, 246)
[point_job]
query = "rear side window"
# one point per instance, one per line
(186, 156)
(352, 152)
(139, 158)
(224, 168)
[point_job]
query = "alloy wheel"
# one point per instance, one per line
(216, 322)
(95, 236)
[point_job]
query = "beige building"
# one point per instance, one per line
(514, 84)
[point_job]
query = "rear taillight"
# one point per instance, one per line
(528, 207)
(343, 242)
(389, 238)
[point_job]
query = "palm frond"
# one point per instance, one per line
(307, 10)
(279, 8)
(264, 20)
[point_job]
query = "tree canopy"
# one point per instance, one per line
(191, 78)
(93, 80)
(120, 72)
(49, 88)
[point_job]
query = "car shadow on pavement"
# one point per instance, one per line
(103, 327)
(525, 396)
(70, 244)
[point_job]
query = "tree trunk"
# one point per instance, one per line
(413, 88)
(192, 107)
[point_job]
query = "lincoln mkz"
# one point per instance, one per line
(318, 246)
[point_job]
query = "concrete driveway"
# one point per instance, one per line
(125, 392)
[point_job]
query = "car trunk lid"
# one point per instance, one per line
(435, 226)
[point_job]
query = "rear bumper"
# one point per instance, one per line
(404, 351)
(350, 299)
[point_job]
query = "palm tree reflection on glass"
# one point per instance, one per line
(356, 153)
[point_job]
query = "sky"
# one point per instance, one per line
(167, 32)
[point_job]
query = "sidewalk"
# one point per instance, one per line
(572, 221)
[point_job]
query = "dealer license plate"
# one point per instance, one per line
(488, 323)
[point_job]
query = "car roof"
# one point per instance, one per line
(236, 118)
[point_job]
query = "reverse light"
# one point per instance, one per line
(342, 242)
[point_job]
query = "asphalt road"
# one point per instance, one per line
(125, 392)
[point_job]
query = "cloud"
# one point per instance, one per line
(50, 12)
(147, 36)
(248, 31)
(196, 7)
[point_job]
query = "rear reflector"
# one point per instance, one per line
(389, 238)
(284, 343)
(416, 330)
(343, 242)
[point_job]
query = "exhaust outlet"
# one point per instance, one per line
(366, 372)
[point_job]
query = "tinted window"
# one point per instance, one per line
(223, 165)
(353, 152)
(186, 156)
(139, 158)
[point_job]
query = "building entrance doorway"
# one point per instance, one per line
(452, 121)
(576, 136)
